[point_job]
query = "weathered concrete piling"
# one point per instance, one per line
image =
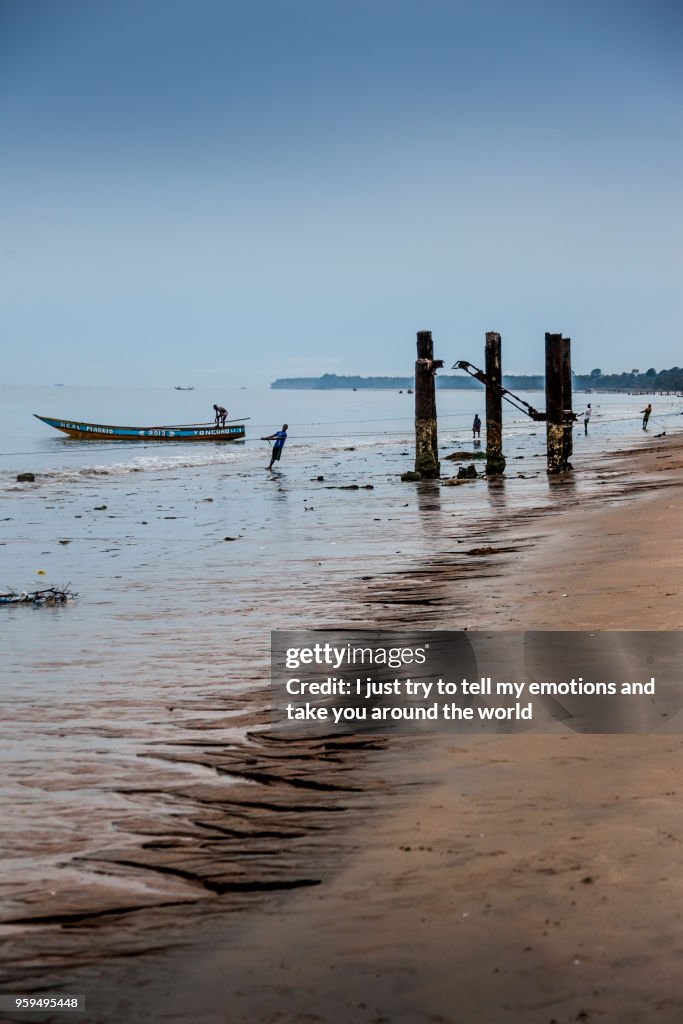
(568, 413)
(559, 415)
(426, 443)
(558, 402)
(495, 460)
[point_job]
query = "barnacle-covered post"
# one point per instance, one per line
(426, 442)
(554, 404)
(495, 460)
(567, 411)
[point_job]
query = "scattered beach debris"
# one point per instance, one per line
(410, 477)
(50, 596)
(99, 508)
(462, 456)
(350, 487)
(467, 473)
(26, 478)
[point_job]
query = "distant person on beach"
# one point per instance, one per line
(476, 427)
(646, 415)
(586, 418)
(221, 415)
(279, 437)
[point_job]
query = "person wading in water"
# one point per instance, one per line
(279, 437)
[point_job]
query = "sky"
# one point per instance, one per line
(214, 193)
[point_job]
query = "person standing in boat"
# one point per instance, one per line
(279, 437)
(221, 415)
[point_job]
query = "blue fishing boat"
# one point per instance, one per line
(232, 431)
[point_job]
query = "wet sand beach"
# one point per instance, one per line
(114, 709)
(489, 879)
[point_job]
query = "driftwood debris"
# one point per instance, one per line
(50, 596)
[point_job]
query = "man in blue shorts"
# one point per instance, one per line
(279, 438)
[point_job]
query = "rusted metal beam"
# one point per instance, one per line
(509, 396)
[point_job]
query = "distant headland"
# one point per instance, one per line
(649, 382)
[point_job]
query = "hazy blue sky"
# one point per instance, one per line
(209, 192)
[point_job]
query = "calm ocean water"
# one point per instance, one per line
(186, 556)
(320, 422)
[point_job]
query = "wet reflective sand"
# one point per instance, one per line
(129, 710)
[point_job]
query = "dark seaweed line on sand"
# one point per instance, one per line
(239, 845)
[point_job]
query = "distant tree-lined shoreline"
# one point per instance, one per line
(650, 381)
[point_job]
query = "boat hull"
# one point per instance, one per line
(102, 432)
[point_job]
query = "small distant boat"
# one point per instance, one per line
(179, 387)
(232, 431)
